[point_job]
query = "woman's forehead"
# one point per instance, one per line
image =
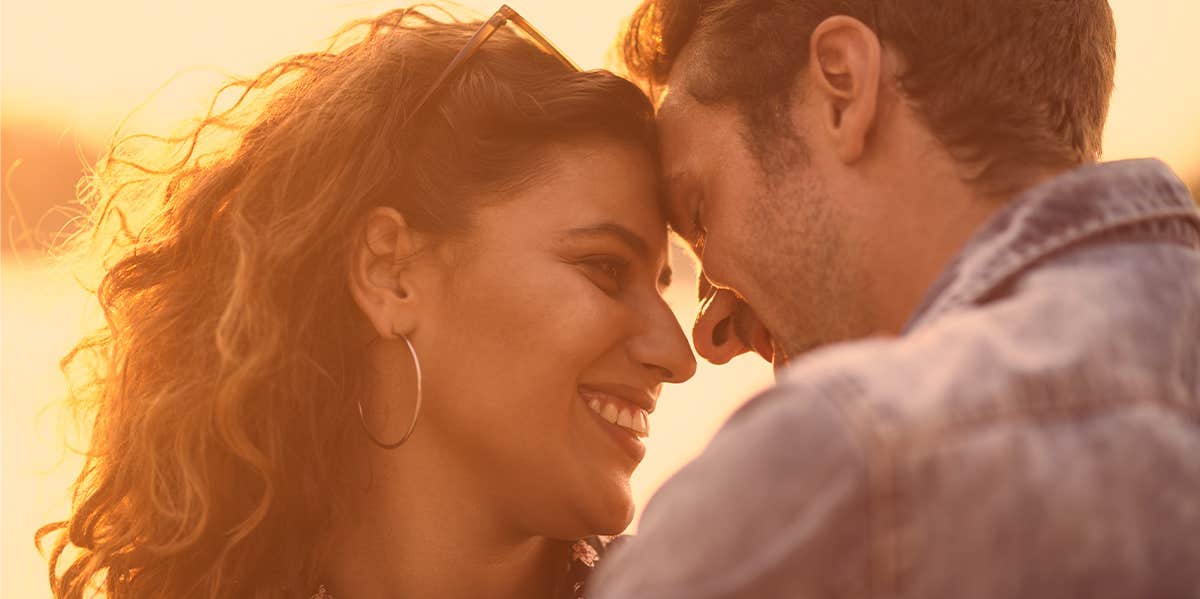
(604, 187)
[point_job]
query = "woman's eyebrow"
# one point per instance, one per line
(612, 230)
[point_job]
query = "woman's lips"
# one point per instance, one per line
(617, 411)
(624, 422)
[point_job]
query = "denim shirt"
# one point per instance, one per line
(1034, 433)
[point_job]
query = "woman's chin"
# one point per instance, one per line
(613, 514)
(614, 525)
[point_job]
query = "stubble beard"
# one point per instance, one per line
(813, 291)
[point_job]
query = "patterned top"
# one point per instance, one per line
(585, 554)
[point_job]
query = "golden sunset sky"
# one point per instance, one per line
(76, 68)
(82, 65)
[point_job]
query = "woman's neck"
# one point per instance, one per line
(422, 530)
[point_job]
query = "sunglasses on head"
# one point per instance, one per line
(502, 16)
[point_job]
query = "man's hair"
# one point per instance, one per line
(1003, 85)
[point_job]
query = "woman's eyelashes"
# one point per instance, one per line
(609, 273)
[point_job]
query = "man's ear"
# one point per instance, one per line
(381, 279)
(844, 68)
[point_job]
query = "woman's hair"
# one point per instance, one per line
(223, 385)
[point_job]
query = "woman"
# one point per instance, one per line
(396, 336)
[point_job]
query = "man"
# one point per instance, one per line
(988, 376)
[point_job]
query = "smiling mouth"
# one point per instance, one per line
(617, 411)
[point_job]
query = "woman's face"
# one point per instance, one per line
(550, 326)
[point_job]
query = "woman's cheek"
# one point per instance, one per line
(589, 324)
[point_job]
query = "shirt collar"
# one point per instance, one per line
(1079, 205)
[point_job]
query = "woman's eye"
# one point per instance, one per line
(609, 272)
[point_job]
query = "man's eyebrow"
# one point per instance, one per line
(619, 232)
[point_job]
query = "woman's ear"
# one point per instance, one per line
(381, 279)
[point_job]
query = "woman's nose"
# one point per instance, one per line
(714, 332)
(664, 347)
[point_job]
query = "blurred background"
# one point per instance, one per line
(73, 69)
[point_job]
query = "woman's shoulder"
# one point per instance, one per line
(586, 555)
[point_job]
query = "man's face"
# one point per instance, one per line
(766, 231)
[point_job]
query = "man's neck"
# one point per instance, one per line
(942, 215)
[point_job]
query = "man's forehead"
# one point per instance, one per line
(680, 140)
(676, 143)
(675, 104)
(678, 80)
(682, 124)
(685, 124)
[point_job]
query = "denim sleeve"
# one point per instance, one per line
(775, 507)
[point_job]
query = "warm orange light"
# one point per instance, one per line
(81, 65)
(84, 65)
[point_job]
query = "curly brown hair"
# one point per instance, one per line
(224, 382)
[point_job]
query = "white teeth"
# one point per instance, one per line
(610, 413)
(625, 419)
(634, 420)
(641, 424)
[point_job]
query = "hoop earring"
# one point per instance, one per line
(416, 413)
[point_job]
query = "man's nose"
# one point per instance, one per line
(714, 333)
